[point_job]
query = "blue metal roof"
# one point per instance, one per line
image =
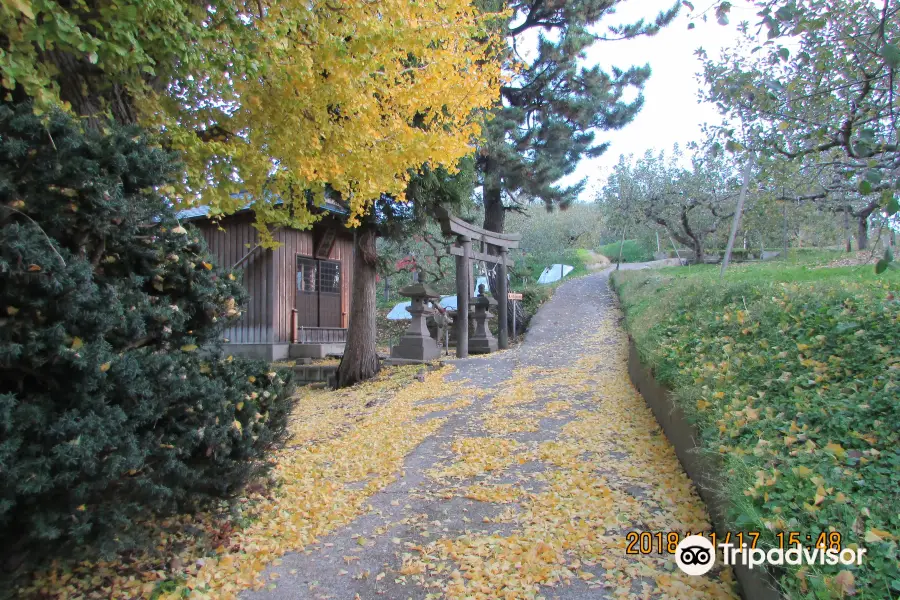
(198, 212)
(193, 213)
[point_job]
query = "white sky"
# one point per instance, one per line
(672, 112)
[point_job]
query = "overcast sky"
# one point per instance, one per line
(672, 112)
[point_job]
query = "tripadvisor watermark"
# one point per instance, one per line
(696, 555)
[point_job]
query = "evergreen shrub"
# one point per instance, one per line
(116, 402)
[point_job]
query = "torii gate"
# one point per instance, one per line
(465, 234)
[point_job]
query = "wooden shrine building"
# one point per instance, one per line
(299, 303)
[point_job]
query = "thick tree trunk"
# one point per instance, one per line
(494, 220)
(697, 247)
(85, 87)
(494, 212)
(360, 360)
(862, 235)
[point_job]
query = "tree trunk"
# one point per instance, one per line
(697, 247)
(494, 220)
(360, 360)
(494, 212)
(862, 234)
(85, 87)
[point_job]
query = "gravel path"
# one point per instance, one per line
(528, 491)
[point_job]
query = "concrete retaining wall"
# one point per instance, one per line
(704, 469)
(306, 374)
(269, 352)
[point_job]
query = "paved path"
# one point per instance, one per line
(529, 490)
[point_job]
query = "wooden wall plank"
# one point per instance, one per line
(229, 246)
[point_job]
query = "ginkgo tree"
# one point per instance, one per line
(285, 97)
(281, 101)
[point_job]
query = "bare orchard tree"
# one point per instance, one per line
(689, 204)
(818, 83)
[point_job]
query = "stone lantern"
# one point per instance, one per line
(483, 341)
(417, 345)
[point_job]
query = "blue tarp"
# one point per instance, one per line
(555, 273)
(399, 312)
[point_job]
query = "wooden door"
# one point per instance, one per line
(329, 293)
(307, 292)
(318, 298)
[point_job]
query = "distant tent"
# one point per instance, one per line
(555, 273)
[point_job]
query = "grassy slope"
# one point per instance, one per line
(793, 374)
(632, 251)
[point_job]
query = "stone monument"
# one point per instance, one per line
(417, 345)
(483, 341)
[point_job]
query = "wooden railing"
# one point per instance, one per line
(321, 335)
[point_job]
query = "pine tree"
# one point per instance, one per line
(115, 400)
(546, 118)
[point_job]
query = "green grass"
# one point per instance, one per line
(632, 251)
(792, 374)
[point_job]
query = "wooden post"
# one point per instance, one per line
(462, 297)
(502, 303)
(293, 325)
(784, 236)
(675, 248)
(621, 246)
(736, 221)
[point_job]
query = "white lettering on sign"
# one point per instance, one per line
(513, 296)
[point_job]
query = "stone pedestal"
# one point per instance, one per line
(416, 344)
(483, 341)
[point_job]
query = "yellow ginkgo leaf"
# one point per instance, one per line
(877, 535)
(836, 449)
(189, 347)
(105, 367)
(802, 471)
